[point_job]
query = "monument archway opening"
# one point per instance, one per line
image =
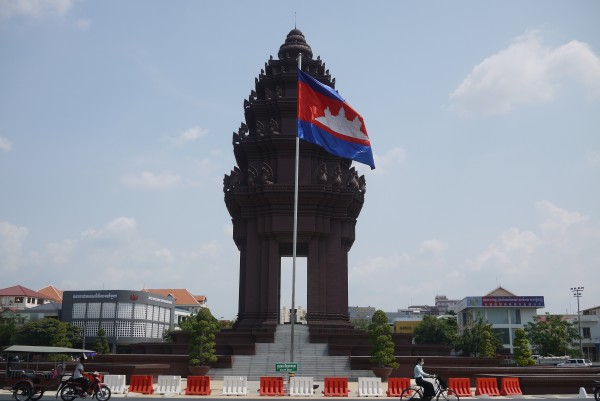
(285, 300)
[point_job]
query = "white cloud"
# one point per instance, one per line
(11, 246)
(511, 252)
(61, 252)
(189, 135)
(5, 144)
(388, 159)
(151, 181)
(433, 246)
(526, 72)
(121, 230)
(34, 8)
(556, 218)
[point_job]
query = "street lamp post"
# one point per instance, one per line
(577, 291)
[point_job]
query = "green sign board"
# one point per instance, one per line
(286, 367)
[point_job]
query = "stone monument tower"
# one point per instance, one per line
(259, 195)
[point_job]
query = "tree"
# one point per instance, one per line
(202, 328)
(522, 352)
(360, 323)
(47, 331)
(486, 346)
(7, 329)
(436, 330)
(101, 343)
(478, 339)
(382, 352)
(551, 335)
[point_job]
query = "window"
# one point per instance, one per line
(123, 329)
(108, 310)
(124, 310)
(91, 328)
(586, 332)
(139, 312)
(504, 335)
(515, 316)
(497, 316)
(109, 328)
(78, 311)
(139, 329)
(93, 310)
(78, 323)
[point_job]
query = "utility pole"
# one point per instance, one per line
(577, 293)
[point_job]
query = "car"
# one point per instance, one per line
(575, 363)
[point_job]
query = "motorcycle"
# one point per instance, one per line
(69, 389)
(596, 390)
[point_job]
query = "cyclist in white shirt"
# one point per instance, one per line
(420, 376)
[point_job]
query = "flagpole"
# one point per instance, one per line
(295, 235)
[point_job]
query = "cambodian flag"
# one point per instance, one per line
(325, 119)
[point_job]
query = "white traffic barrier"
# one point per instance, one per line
(168, 385)
(582, 393)
(235, 385)
(116, 383)
(301, 386)
(369, 387)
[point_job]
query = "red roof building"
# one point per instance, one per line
(19, 297)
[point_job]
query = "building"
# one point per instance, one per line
(52, 293)
(590, 333)
(127, 317)
(504, 310)
(285, 315)
(18, 297)
(52, 310)
(445, 305)
(406, 325)
(186, 304)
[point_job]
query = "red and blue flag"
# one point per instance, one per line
(325, 119)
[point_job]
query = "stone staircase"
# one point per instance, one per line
(313, 359)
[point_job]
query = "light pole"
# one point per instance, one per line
(577, 294)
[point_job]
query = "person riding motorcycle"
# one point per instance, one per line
(79, 378)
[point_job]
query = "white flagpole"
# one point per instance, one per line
(295, 238)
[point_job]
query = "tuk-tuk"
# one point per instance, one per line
(28, 373)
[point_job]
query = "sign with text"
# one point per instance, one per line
(286, 367)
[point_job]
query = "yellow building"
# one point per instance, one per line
(405, 325)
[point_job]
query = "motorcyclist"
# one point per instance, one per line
(79, 378)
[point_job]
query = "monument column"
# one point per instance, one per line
(259, 195)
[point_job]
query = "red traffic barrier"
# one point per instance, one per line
(511, 386)
(141, 384)
(198, 385)
(336, 387)
(396, 385)
(487, 385)
(271, 386)
(461, 386)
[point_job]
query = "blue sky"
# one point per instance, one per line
(116, 121)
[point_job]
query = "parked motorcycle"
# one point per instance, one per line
(69, 390)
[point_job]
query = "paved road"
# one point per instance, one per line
(50, 396)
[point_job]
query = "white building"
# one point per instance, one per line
(505, 311)
(590, 330)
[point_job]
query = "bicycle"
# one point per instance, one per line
(442, 392)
